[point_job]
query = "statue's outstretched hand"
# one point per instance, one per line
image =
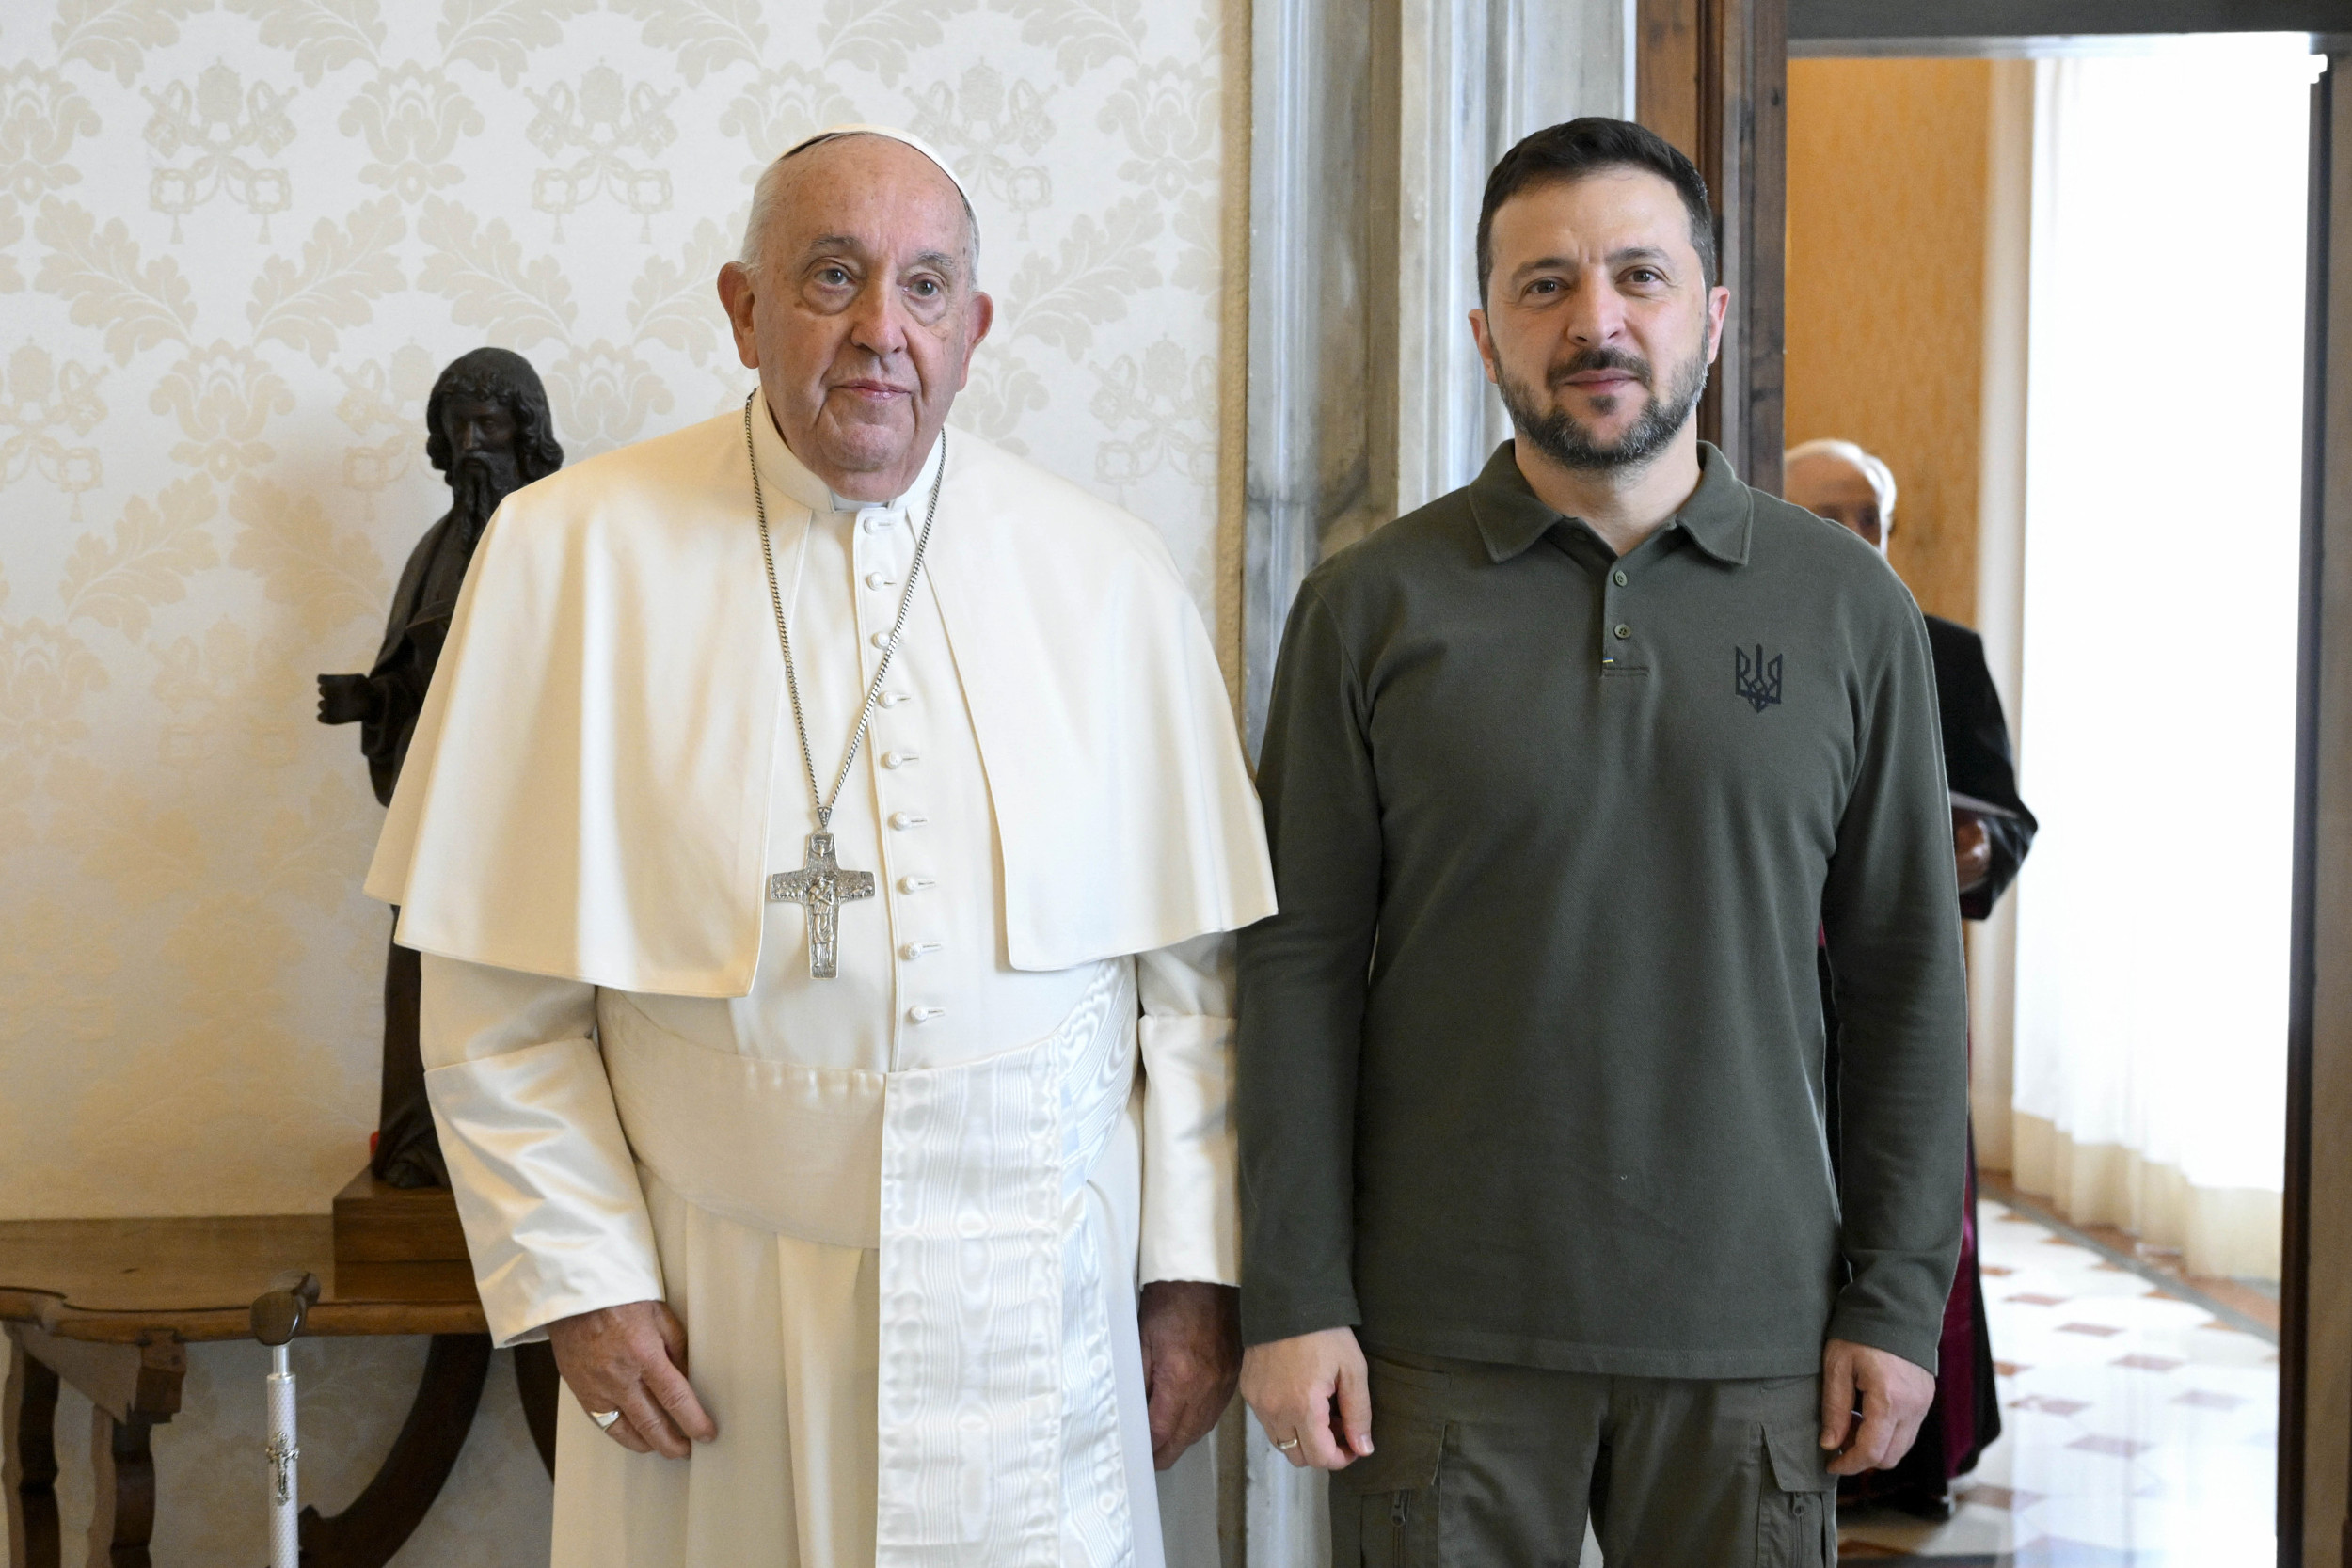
(632, 1359)
(346, 699)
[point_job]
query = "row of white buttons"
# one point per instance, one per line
(874, 522)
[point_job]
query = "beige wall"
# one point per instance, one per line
(237, 237)
(1886, 246)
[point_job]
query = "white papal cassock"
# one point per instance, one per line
(902, 1212)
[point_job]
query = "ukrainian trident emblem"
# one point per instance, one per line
(1756, 678)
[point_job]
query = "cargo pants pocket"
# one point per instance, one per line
(1384, 1508)
(1796, 1511)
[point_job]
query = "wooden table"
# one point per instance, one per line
(110, 1307)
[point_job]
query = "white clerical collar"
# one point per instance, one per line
(782, 472)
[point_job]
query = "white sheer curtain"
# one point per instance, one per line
(2156, 734)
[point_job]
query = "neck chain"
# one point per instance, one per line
(824, 802)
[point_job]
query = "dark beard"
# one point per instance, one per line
(477, 483)
(1557, 434)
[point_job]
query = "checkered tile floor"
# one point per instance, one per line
(2139, 1431)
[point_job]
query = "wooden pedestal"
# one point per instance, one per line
(400, 1241)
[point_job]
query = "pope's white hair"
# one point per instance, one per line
(1874, 469)
(768, 196)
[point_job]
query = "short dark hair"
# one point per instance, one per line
(1578, 148)
(501, 376)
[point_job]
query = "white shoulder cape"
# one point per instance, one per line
(586, 794)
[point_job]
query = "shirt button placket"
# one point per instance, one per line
(1614, 631)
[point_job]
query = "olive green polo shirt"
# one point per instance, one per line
(1532, 1059)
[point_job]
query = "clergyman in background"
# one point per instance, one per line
(487, 432)
(1560, 773)
(822, 838)
(1991, 832)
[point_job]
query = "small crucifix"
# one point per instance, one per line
(820, 886)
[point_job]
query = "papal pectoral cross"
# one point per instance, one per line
(820, 886)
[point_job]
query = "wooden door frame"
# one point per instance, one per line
(1865, 21)
(2295, 1265)
(1711, 77)
(2315, 1339)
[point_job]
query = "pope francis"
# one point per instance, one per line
(823, 833)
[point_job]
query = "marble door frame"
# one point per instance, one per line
(1372, 130)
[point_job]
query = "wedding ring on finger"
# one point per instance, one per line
(604, 1418)
(1286, 1445)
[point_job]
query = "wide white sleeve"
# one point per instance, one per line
(546, 1185)
(1191, 1223)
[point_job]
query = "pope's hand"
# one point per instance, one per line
(1191, 1360)
(632, 1359)
(1299, 1385)
(1894, 1394)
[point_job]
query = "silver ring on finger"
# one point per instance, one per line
(1286, 1445)
(604, 1418)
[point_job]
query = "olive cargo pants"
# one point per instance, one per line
(1481, 1465)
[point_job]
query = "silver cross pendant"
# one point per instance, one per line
(820, 886)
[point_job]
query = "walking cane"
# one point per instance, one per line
(276, 1319)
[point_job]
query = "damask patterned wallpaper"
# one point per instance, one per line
(237, 239)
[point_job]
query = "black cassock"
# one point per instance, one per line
(1977, 757)
(1979, 767)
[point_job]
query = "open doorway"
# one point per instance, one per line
(1998, 272)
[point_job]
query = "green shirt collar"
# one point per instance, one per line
(1511, 518)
